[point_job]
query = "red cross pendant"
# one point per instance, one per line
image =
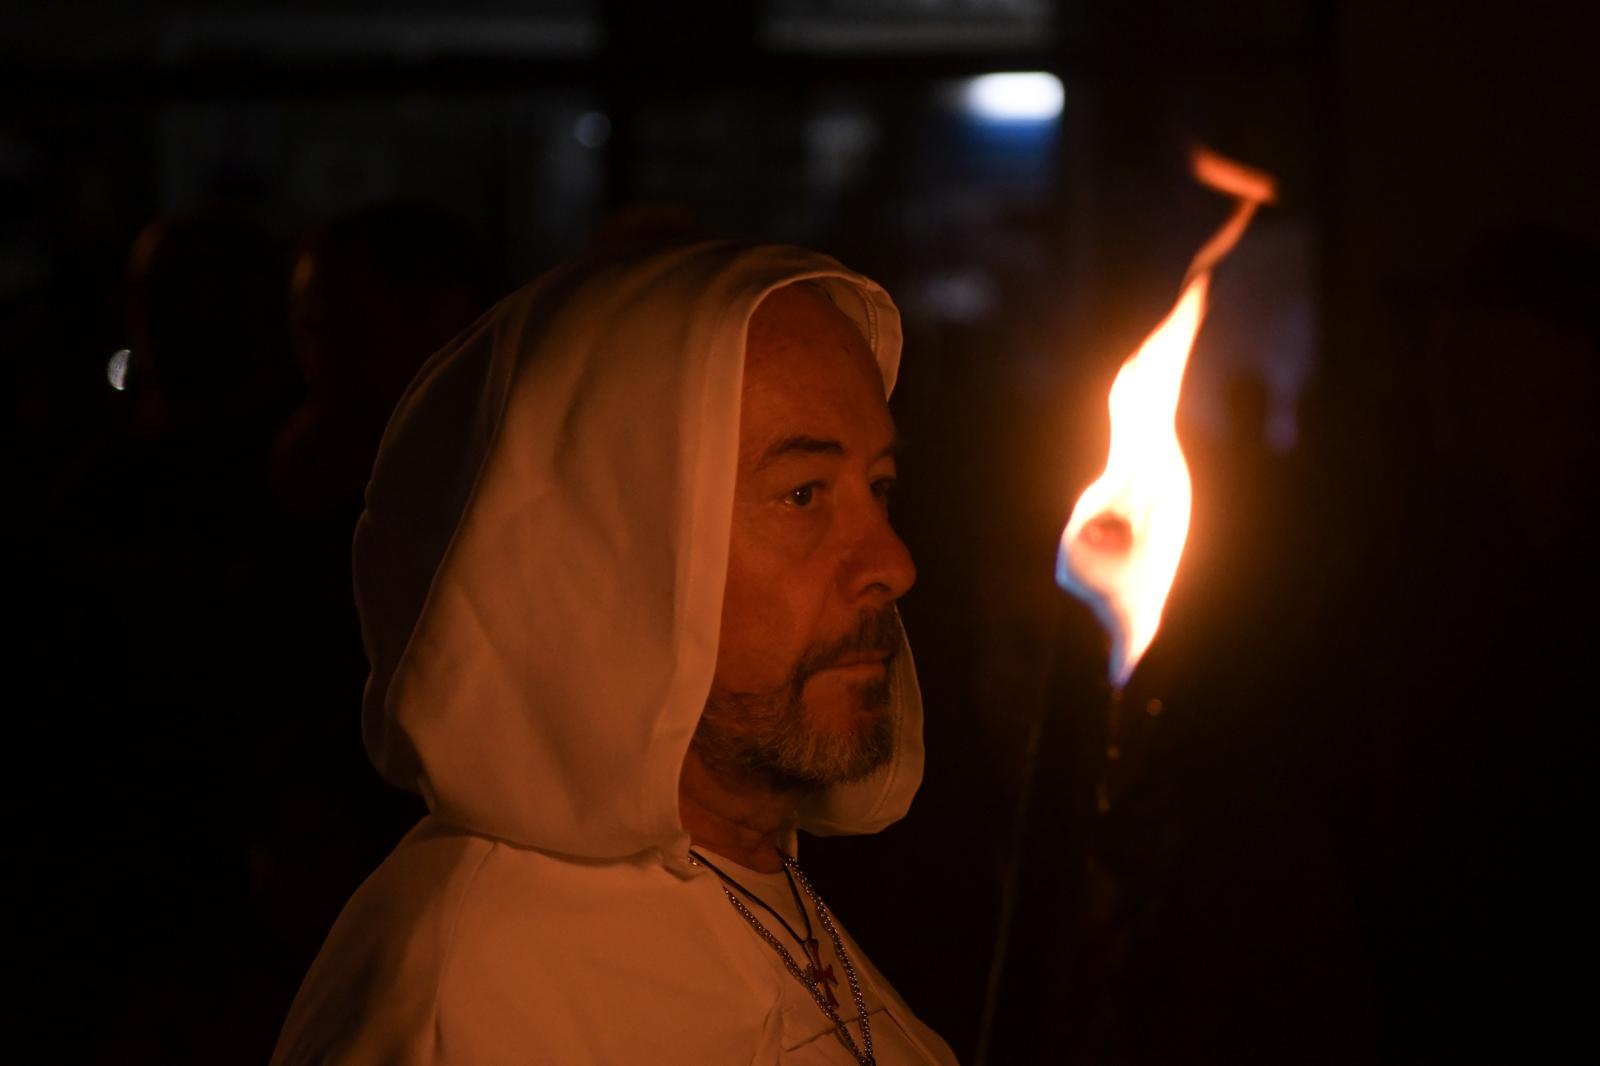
(822, 975)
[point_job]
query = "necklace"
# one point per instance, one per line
(816, 976)
(822, 975)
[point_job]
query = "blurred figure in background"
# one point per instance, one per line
(129, 666)
(207, 381)
(373, 294)
(206, 326)
(257, 747)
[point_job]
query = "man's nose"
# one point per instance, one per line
(878, 563)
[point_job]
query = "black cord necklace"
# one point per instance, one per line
(804, 941)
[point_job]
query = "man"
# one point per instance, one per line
(627, 585)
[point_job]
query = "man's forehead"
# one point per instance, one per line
(812, 387)
(797, 295)
(799, 314)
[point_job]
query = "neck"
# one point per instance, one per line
(738, 820)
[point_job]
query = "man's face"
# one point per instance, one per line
(800, 695)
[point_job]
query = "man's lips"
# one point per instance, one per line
(854, 662)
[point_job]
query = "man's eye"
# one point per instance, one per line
(883, 488)
(802, 496)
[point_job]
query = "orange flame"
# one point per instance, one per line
(1120, 550)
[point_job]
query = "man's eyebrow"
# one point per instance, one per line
(799, 445)
(804, 445)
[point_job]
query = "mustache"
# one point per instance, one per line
(878, 634)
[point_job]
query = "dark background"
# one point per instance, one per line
(1351, 833)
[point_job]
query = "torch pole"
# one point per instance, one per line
(1017, 844)
(1011, 883)
(1102, 789)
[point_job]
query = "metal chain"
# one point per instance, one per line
(862, 1055)
(838, 946)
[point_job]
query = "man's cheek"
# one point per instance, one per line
(752, 662)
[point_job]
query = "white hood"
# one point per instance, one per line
(539, 569)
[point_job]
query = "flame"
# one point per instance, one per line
(1120, 550)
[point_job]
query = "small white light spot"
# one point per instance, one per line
(1032, 96)
(592, 130)
(960, 296)
(117, 369)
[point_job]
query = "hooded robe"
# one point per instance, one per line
(539, 572)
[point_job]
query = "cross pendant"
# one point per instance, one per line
(820, 974)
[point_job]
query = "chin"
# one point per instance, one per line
(852, 733)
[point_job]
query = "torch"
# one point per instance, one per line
(1122, 543)
(1120, 550)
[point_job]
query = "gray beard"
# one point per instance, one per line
(768, 738)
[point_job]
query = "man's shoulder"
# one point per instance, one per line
(433, 866)
(461, 882)
(440, 923)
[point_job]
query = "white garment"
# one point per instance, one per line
(539, 571)
(462, 949)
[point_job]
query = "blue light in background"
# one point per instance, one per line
(999, 132)
(1018, 97)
